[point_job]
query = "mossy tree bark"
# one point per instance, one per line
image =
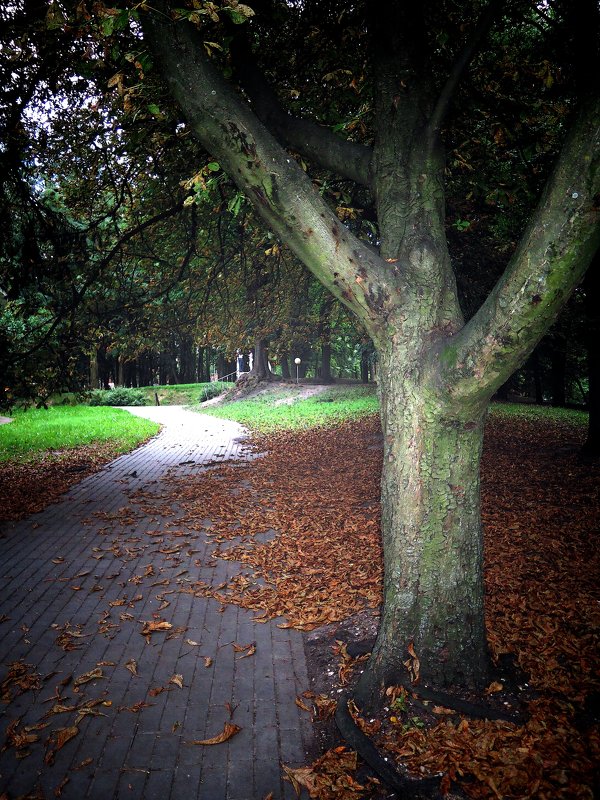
(436, 372)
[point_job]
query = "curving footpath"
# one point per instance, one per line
(93, 708)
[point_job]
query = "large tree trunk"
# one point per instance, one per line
(432, 535)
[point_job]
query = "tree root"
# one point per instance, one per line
(406, 788)
(473, 710)
(409, 788)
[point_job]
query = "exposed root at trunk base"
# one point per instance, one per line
(473, 710)
(406, 787)
(409, 788)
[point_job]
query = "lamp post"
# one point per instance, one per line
(297, 362)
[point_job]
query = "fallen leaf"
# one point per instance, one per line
(228, 731)
(495, 686)
(177, 680)
(208, 661)
(58, 740)
(154, 627)
(59, 789)
(92, 675)
(131, 665)
(302, 705)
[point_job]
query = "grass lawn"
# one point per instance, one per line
(67, 427)
(283, 408)
(185, 394)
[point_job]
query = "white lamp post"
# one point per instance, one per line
(297, 362)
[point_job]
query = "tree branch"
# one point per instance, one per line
(279, 190)
(484, 25)
(316, 142)
(551, 259)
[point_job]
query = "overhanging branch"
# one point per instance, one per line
(279, 190)
(348, 159)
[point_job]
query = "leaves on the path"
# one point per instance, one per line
(21, 677)
(29, 487)
(229, 730)
(58, 740)
(246, 649)
(330, 777)
(21, 737)
(177, 679)
(300, 539)
(155, 627)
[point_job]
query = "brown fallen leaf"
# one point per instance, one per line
(247, 649)
(131, 665)
(136, 707)
(85, 763)
(177, 679)
(58, 740)
(154, 627)
(208, 661)
(59, 789)
(249, 652)
(494, 686)
(302, 705)
(228, 731)
(92, 675)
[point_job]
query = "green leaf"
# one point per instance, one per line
(239, 14)
(213, 166)
(154, 109)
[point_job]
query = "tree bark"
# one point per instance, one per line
(285, 367)
(260, 365)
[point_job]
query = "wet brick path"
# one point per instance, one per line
(77, 585)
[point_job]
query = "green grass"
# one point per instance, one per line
(185, 394)
(342, 403)
(332, 407)
(541, 414)
(66, 427)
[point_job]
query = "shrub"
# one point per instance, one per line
(118, 397)
(213, 389)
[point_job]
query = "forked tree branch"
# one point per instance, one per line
(552, 257)
(279, 190)
(313, 141)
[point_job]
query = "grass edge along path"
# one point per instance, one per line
(278, 409)
(57, 459)
(61, 428)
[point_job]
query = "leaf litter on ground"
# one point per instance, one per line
(302, 535)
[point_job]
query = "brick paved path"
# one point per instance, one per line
(78, 581)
